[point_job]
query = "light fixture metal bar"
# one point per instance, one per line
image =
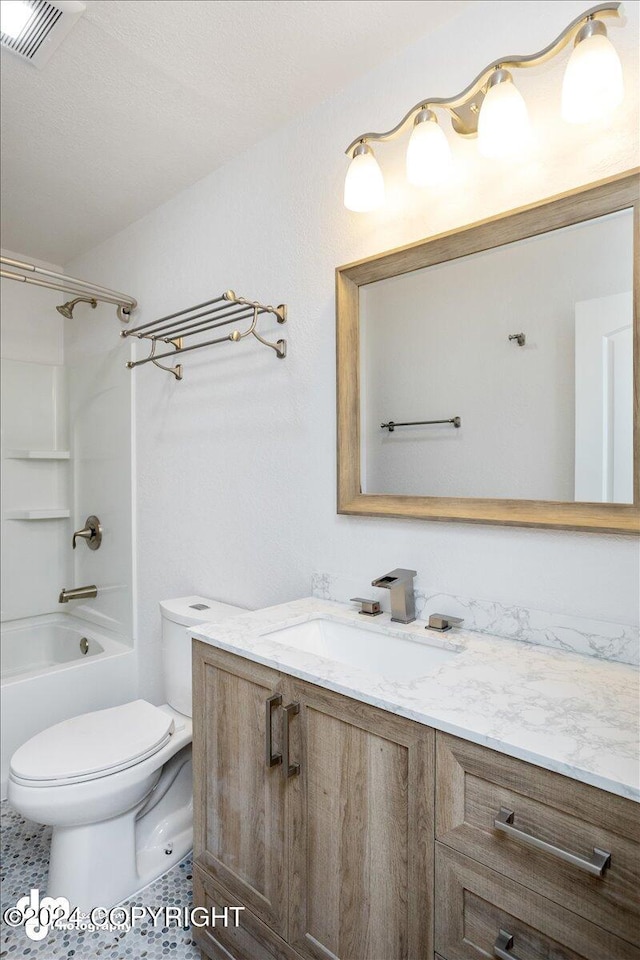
(465, 106)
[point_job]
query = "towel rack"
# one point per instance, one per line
(456, 421)
(173, 329)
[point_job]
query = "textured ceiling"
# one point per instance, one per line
(145, 97)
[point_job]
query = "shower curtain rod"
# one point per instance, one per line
(59, 281)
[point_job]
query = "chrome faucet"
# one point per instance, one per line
(78, 593)
(400, 584)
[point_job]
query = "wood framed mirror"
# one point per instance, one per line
(491, 374)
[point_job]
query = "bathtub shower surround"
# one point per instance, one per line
(594, 638)
(48, 677)
(36, 485)
(37, 644)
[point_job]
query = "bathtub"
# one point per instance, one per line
(52, 668)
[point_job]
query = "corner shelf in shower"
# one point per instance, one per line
(37, 455)
(52, 514)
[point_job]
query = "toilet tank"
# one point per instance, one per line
(177, 616)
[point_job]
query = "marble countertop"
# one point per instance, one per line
(573, 714)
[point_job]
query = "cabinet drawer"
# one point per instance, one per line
(479, 913)
(250, 940)
(474, 784)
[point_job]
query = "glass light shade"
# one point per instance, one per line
(14, 15)
(593, 86)
(504, 129)
(428, 154)
(364, 183)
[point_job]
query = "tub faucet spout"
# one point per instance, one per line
(78, 593)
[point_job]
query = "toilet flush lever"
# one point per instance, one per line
(91, 533)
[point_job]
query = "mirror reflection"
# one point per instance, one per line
(504, 374)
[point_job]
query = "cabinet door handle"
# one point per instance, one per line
(288, 769)
(596, 865)
(273, 759)
(502, 946)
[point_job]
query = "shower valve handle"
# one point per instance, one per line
(91, 534)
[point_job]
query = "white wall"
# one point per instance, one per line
(435, 344)
(35, 554)
(236, 464)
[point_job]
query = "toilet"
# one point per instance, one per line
(115, 784)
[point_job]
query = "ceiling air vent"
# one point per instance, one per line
(33, 29)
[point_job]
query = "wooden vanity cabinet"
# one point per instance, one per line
(239, 805)
(360, 831)
(334, 861)
(315, 813)
(555, 896)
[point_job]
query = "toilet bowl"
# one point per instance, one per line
(115, 784)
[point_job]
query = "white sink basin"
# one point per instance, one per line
(393, 657)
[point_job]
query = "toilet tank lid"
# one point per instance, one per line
(188, 611)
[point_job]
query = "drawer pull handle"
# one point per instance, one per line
(273, 759)
(289, 769)
(600, 859)
(502, 946)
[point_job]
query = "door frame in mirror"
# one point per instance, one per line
(585, 203)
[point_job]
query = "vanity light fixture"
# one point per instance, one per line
(428, 153)
(504, 129)
(14, 16)
(593, 84)
(364, 183)
(493, 109)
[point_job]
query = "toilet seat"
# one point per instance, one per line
(92, 745)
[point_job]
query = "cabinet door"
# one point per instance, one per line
(360, 831)
(477, 785)
(250, 940)
(239, 800)
(481, 914)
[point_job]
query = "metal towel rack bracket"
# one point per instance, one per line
(175, 328)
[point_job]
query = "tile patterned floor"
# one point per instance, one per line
(25, 857)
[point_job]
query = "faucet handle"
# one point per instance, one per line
(368, 608)
(91, 534)
(442, 622)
